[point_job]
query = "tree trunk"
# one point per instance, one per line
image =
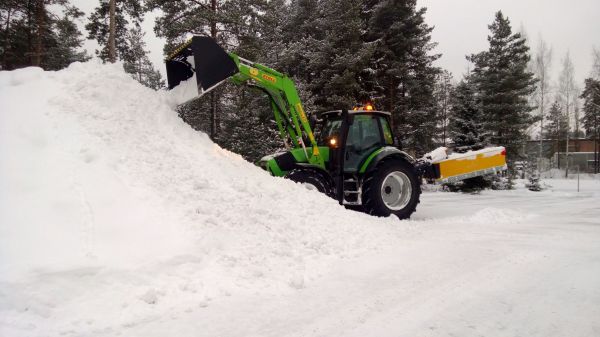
(391, 103)
(557, 151)
(112, 52)
(6, 40)
(541, 155)
(596, 149)
(214, 128)
(213, 116)
(567, 146)
(40, 13)
(30, 28)
(445, 118)
(218, 113)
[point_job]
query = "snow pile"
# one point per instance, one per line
(109, 201)
(437, 155)
(117, 219)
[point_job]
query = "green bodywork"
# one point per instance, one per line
(215, 66)
(369, 160)
(289, 115)
(287, 108)
(270, 164)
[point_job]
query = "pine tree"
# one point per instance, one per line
(340, 60)
(466, 124)
(248, 126)
(233, 116)
(17, 34)
(301, 37)
(591, 116)
(224, 21)
(141, 68)
(591, 107)
(404, 76)
(69, 42)
(32, 35)
(534, 183)
(273, 27)
(443, 93)
(503, 85)
(128, 15)
(556, 129)
(246, 122)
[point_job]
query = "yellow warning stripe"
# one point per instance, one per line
(464, 166)
(179, 49)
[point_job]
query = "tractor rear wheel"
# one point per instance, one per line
(311, 179)
(392, 188)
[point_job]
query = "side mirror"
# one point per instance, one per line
(397, 142)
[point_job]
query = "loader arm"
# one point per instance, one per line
(285, 102)
(203, 58)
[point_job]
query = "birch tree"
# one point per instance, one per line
(596, 65)
(542, 64)
(568, 93)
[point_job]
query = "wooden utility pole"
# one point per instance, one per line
(112, 23)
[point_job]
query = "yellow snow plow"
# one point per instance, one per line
(454, 167)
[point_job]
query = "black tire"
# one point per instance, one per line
(311, 177)
(373, 196)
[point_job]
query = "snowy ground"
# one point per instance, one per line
(118, 219)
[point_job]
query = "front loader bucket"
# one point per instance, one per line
(203, 58)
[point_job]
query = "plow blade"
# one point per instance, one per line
(472, 164)
(202, 58)
(460, 166)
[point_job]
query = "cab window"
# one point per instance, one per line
(387, 131)
(364, 132)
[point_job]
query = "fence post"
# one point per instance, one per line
(577, 178)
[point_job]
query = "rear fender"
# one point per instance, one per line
(384, 153)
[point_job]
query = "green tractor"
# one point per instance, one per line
(352, 155)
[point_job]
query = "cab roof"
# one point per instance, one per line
(354, 112)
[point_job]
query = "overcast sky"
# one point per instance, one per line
(461, 29)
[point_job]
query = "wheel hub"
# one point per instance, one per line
(396, 190)
(310, 187)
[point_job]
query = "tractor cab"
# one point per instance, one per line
(367, 131)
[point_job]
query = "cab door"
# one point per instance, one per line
(364, 137)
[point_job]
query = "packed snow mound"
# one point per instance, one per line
(108, 198)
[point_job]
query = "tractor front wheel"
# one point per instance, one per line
(311, 179)
(392, 188)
